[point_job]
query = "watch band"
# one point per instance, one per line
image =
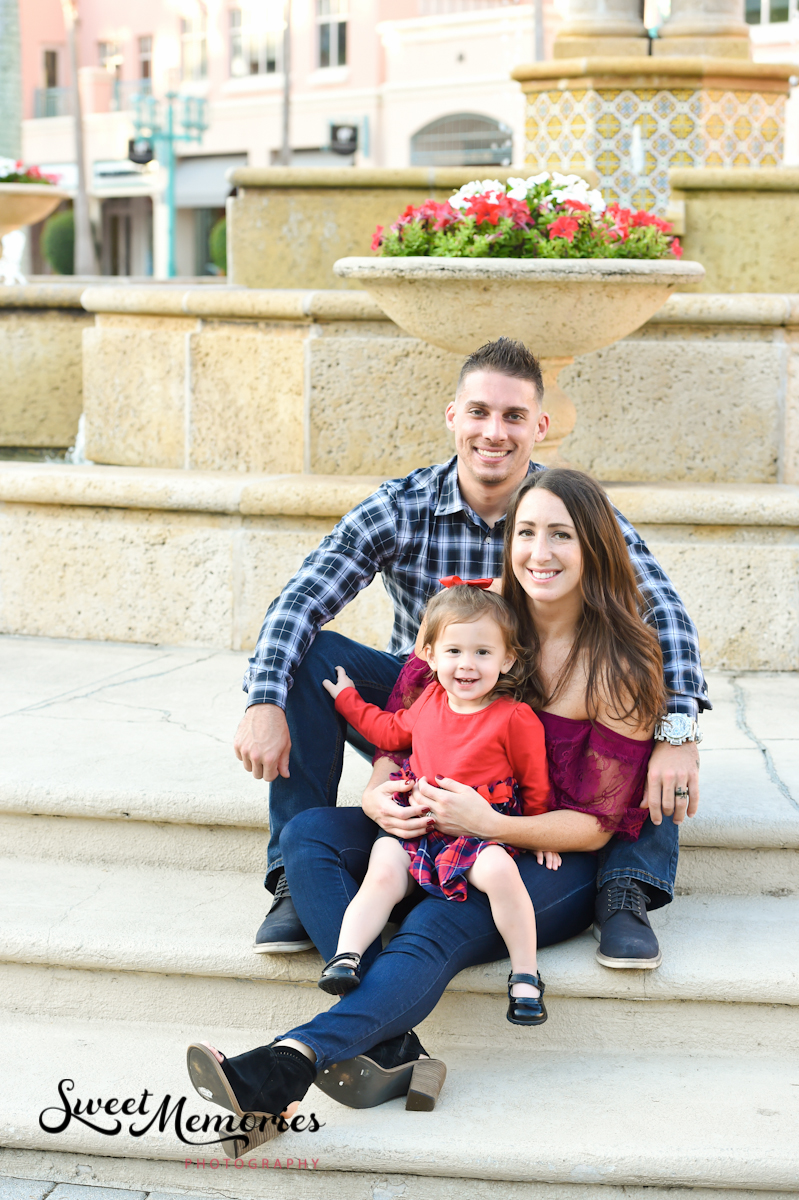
(677, 728)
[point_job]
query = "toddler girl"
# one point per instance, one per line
(467, 725)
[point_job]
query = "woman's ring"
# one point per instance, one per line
(681, 792)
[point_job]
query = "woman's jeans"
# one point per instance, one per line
(326, 853)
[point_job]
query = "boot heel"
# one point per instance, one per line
(427, 1081)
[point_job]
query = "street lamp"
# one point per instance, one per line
(156, 121)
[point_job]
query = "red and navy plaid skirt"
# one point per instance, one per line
(440, 861)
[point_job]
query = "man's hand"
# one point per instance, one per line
(402, 822)
(672, 768)
(343, 681)
(263, 742)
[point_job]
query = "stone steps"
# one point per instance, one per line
(609, 1120)
(130, 881)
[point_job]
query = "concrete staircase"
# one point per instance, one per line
(132, 848)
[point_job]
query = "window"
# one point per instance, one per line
(778, 11)
(51, 68)
(193, 47)
(462, 140)
(109, 57)
(331, 16)
(255, 42)
(146, 58)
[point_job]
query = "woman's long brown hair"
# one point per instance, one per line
(624, 663)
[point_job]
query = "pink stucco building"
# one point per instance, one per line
(424, 82)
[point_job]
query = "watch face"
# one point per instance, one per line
(678, 725)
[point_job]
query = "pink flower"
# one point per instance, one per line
(577, 206)
(564, 227)
(377, 238)
(676, 248)
(647, 218)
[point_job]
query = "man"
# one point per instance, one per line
(437, 521)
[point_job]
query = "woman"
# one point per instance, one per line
(597, 683)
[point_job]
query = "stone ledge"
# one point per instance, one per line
(706, 179)
(41, 295)
(363, 177)
(333, 495)
(740, 308)
(183, 491)
(274, 304)
(666, 67)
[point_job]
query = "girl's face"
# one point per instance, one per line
(468, 659)
(546, 557)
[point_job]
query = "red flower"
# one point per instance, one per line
(489, 211)
(577, 206)
(648, 218)
(377, 238)
(564, 227)
(676, 248)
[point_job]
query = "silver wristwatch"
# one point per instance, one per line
(676, 728)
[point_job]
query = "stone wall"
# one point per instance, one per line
(41, 393)
(193, 558)
(321, 382)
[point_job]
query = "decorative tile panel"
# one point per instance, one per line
(678, 127)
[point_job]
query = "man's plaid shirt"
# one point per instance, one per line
(414, 531)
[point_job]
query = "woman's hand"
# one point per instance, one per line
(343, 682)
(458, 810)
(548, 858)
(410, 822)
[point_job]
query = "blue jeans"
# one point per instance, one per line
(318, 734)
(326, 855)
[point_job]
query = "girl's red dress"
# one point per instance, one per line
(502, 744)
(592, 769)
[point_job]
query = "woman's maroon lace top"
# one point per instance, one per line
(592, 769)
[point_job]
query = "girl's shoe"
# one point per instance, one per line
(397, 1067)
(526, 1010)
(257, 1086)
(341, 975)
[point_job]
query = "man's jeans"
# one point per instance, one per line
(318, 734)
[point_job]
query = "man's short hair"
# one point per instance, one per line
(507, 357)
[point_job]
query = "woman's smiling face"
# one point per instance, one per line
(546, 557)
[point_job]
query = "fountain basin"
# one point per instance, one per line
(26, 203)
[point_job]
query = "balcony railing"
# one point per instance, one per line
(123, 91)
(52, 102)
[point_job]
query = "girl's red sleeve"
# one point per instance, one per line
(528, 758)
(389, 730)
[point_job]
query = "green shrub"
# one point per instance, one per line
(217, 245)
(58, 242)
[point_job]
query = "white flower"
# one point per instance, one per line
(518, 188)
(491, 188)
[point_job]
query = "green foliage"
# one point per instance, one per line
(217, 245)
(58, 242)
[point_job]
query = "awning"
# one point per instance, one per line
(200, 182)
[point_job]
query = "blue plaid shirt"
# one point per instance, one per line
(414, 531)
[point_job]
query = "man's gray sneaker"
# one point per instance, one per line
(621, 926)
(281, 931)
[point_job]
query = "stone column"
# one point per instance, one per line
(713, 27)
(601, 27)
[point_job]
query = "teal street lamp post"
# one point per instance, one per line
(156, 121)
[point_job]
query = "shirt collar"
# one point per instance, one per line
(451, 501)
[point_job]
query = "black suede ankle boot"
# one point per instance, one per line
(264, 1081)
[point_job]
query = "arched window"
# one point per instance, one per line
(463, 140)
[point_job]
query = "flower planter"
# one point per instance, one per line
(26, 203)
(560, 308)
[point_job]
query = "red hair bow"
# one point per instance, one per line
(456, 581)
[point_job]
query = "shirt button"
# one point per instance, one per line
(488, 539)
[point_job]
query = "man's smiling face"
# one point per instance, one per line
(496, 421)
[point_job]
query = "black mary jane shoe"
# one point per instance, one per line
(257, 1087)
(526, 1010)
(397, 1067)
(341, 975)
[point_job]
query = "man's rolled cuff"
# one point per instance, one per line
(262, 687)
(683, 704)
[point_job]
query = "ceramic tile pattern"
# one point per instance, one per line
(677, 127)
